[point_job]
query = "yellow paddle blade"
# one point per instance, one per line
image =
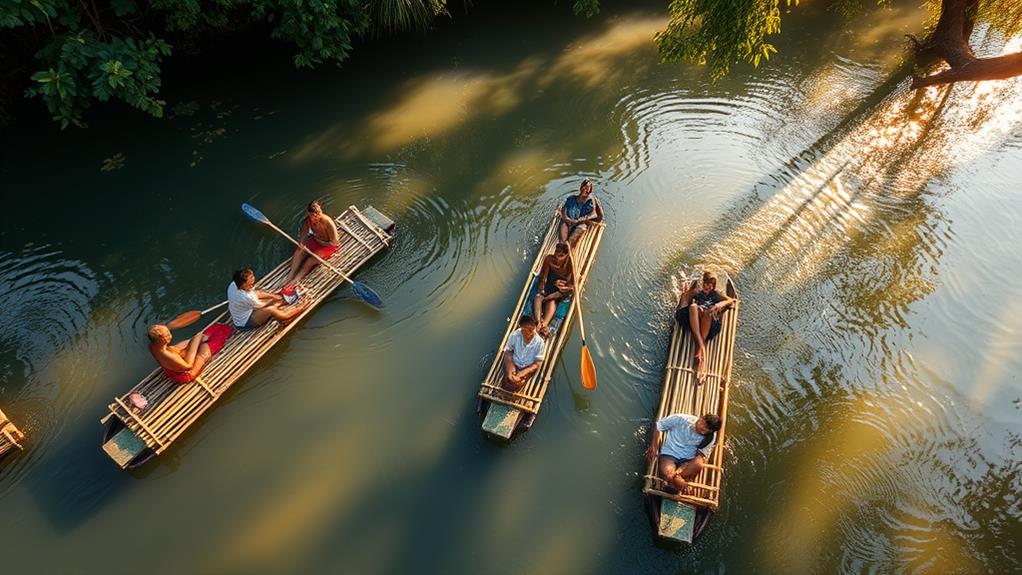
(183, 320)
(588, 369)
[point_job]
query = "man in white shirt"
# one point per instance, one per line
(523, 354)
(251, 308)
(689, 443)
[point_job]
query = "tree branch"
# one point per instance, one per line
(950, 42)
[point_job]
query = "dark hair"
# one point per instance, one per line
(709, 276)
(312, 206)
(561, 247)
(242, 275)
(585, 182)
(526, 320)
(712, 421)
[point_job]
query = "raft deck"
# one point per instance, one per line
(506, 411)
(10, 436)
(134, 436)
(677, 513)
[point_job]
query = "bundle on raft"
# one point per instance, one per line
(134, 435)
(682, 517)
(506, 411)
(10, 436)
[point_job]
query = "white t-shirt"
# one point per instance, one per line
(682, 438)
(525, 354)
(241, 303)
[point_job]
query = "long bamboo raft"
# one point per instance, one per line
(10, 436)
(681, 517)
(505, 411)
(134, 436)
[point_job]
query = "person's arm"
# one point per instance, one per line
(599, 209)
(333, 235)
(564, 214)
(274, 298)
(173, 361)
(686, 294)
(544, 272)
(509, 365)
(526, 373)
(654, 444)
(725, 303)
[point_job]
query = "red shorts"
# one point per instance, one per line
(218, 334)
(319, 249)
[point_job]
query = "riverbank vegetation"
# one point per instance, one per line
(70, 55)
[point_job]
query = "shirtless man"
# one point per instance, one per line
(556, 279)
(183, 361)
(324, 242)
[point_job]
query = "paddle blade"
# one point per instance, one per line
(588, 369)
(254, 214)
(366, 294)
(184, 320)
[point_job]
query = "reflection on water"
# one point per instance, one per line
(874, 413)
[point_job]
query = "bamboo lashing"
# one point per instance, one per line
(172, 408)
(10, 435)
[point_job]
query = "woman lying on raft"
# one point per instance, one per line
(556, 280)
(699, 310)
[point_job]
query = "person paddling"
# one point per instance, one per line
(324, 242)
(251, 308)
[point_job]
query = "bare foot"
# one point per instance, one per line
(295, 312)
(700, 366)
(544, 331)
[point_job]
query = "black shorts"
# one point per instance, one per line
(681, 315)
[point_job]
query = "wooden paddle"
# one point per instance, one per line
(364, 292)
(587, 366)
(189, 317)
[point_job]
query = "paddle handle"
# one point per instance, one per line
(310, 252)
(578, 297)
(207, 310)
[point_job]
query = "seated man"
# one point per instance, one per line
(578, 211)
(689, 443)
(556, 278)
(699, 310)
(323, 242)
(251, 308)
(523, 354)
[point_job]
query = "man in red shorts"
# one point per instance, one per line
(323, 242)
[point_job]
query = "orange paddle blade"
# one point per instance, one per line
(184, 320)
(588, 369)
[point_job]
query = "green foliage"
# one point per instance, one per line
(399, 15)
(587, 8)
(101, 50)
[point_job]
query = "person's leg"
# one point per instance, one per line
(537, 311)
(691, 468)
(562, 232)
(296, 262)
(550, 308)
(576, 234)
(704, 329)
(693, 318)
(284, 316)
(310, 263)
(259, 317)
(667, 468)
(201, 358)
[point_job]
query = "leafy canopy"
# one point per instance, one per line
(100, 50)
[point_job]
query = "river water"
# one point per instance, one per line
(875, 413)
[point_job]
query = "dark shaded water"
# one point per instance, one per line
(875, 416)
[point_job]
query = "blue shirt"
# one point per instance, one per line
(682, 438)
(575, 210)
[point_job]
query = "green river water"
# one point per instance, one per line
(875, 409)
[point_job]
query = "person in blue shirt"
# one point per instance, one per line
(578, 212)
(689, 443)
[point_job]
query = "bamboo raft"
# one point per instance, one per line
(9, 435)
(682, 517)
(133, 437)
(504, 411)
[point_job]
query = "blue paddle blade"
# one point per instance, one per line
(254, 214)
(366, 294)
